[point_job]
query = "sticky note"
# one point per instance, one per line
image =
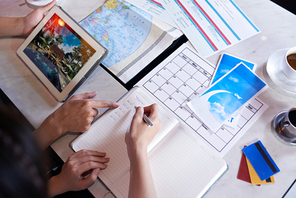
(260, 160)
(255, 180)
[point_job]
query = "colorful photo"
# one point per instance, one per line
(226, 96)
(59, 52)
(226, 63)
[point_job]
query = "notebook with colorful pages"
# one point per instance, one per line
(192, 176)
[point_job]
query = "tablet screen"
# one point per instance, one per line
(59, 52)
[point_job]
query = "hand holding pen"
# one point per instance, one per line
(140, 133)
(146, 119)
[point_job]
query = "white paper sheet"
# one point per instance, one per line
(154, 8)
(210, 25)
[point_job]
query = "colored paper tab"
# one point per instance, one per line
(261, 161)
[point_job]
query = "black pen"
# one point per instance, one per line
(146, 120)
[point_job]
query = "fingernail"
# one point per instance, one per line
(102, 153)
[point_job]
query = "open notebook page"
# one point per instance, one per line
(182, 166)
(108, 134)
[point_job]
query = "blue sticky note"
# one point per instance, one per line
(261, 160)
(228, 62)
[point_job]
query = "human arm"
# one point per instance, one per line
(23, 26)
(72, 176)
(141, 181)
(75, 115)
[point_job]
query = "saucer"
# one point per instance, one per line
(36, 4)
(278, 133)
(274, 70)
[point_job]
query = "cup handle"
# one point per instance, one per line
(286, 124)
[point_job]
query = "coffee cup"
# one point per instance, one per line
(289, 64)
(286, 126)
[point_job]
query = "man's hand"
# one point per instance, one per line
(79, 172)
(75, 115)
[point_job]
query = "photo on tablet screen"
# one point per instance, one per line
(59, 52)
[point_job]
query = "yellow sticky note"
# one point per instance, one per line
(255, 178)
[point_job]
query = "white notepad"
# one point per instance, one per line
(182, 165)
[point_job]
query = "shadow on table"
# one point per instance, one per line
(289, 5)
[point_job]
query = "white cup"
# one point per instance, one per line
(288, 70)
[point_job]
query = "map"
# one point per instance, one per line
(120, 27)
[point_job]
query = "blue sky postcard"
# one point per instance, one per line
(226, 96)
(228, 62)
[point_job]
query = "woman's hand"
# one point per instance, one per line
(73, 176)
(75, 115)
(32, 19)
(141, 134)
(23, 26)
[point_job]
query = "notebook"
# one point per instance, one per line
(192, 175)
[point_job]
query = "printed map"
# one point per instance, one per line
(120, 27)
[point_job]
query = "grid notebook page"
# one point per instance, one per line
(185, 75)
(108, 134)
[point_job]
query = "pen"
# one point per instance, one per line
(146, 119)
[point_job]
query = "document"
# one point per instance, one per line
(210, 25)
(154, 8)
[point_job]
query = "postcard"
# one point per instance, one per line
(228, 62)
(226, 96)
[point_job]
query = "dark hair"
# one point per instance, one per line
(21, 167)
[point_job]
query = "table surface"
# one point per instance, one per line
(277, 32)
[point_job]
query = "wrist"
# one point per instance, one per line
(55, 187)
(139, 148)
(12, 26)
(47, 132)
(54, 123)
(20, 28)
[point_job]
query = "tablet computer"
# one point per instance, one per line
(61, 53)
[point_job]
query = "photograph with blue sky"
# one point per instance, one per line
(227, 63)
(226, 96)
(59, 52)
